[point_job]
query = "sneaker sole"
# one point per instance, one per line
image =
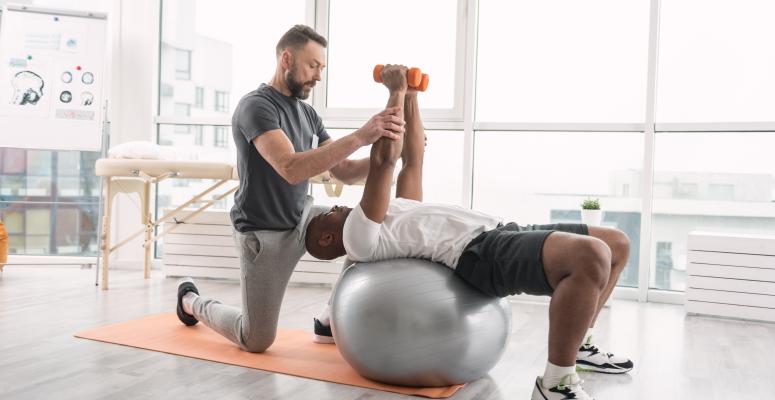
(590, 368)
(322, 339)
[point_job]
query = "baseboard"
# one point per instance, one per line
(49, 260)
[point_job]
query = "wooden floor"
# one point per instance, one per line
(676, 357)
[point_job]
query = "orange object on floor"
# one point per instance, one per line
(3, 246)
(293, 352)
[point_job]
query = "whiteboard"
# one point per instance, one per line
(52, 75)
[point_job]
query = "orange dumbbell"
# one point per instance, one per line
(414, 77)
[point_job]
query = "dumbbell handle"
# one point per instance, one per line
(414, 77)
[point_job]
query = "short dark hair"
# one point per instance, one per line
(297, 37)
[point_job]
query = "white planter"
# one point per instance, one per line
(591, 217)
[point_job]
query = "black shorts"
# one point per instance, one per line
(507, 259)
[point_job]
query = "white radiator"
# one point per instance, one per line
(203, 247)
(731, 275)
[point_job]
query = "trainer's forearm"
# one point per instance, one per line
(351, 171)
(304, 165)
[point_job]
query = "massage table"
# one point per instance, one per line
(122, 175)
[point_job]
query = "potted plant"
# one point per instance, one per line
(591, 214)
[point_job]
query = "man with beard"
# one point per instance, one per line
(281, 143)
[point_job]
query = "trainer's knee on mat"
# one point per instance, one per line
(257, 344)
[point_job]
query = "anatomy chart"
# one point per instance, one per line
(52, 74)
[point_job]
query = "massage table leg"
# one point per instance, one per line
(106, 232)
(148, 222)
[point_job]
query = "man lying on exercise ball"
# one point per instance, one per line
(576, 265)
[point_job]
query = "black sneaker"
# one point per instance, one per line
(590, 358)
(322, 333)
(183, 288)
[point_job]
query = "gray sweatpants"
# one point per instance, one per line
(267, 259)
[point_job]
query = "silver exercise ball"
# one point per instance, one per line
(412, 322)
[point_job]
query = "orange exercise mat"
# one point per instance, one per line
(293, 352)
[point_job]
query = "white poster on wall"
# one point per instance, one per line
(52, 74)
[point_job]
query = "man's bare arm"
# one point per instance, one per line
(384, 153)
(295, 167)
(409, 185)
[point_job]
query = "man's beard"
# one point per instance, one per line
(296, 87)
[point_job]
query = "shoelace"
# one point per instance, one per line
(594, 350)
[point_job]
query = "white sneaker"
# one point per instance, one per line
(568, 388)
(590, 358)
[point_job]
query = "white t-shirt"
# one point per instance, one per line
(437, 232)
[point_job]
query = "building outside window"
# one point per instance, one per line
(221, 101)
(199, 97)
(198, 135)
(182, 110)
(219, 138)
(183, 64)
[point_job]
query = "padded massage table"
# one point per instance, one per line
(122, 175)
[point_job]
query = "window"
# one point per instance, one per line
(664, 264)
(562, 61)
(349, 78)
(183, 64)
(219, 138)
(222, 56)
(720, 70)
(198, 135)
(199, 99)
(221, 101)
(724, 181)
(49, 201)
(560, 64)
(524, 177)
(182, 110)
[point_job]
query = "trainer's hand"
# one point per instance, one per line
(394, 77)
(387, 123)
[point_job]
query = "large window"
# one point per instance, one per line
(231, 47)
(542, 178)
(231, 54)
(721, 69)
(399, 33)
(723, 182)
(532, 106)
(562, 61)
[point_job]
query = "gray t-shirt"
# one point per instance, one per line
(264, 200)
